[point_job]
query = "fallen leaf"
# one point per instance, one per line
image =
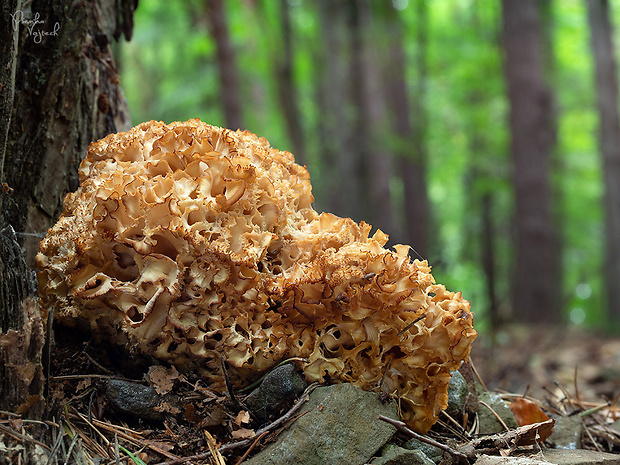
(523, 436)
(85, 383)
(189, 412)
(527, 412)
(163, 378)
(215, 417)
(243, 433)
(242, 417)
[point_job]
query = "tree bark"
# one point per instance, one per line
(369, 129)
(601, 38)
(338, 159)
(536, 291)
(59, 93)
(227, 64)
(411, 131)
(286, 86)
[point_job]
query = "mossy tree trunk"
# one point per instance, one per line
(59, 91)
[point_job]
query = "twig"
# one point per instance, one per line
(23, 437)
(136, 441)
(406, 328)
(576, 386)
(97, 364)
(402, 427)
(478, 377)
(256, 441)
(587, 430)
(284, 418)
(229, 386)
(219, 460)
(495, 414)
(459, 431)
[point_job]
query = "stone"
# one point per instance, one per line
(435, 454)
(497, 460)
(134, 400)
(566, 433)
(282, 384)
(556, 457)
(580, 457)
(457, 394)
(394, 455)
(489, 423)
(341, 427)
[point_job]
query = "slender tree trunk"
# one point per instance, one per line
(227, 64)
(411, 132)
(286, 86)
(601, 34)
(59, 93)
(339, 162)
(536, 283)
(369, 130)
(488, 260)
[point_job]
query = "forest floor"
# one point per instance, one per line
(542, 362)
(570, 369)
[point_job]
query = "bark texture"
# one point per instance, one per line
(287, 92)
(338, 159)
(601, 35)
(369, 127)
(227, 64)
(60, 91)
(411, 130)
(536, 283)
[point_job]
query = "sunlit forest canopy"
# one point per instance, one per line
(401, 112)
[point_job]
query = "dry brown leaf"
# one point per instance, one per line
(527, 412)
(163, 378)
(523, 436)
(242, 417)
(243, 433)
(215, 417)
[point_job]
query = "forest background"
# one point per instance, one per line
(471, 130)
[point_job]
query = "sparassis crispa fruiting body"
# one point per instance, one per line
(193, 243)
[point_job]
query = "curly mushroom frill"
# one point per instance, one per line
(192, 242)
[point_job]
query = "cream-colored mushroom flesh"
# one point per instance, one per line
(191, 243)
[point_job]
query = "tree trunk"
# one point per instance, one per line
(411, 132)
(536, 283)
(59, 93)
(338, 177)
(227, 64)
(369, 130)
(609, 144)
(286, 86)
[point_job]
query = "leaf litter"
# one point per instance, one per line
(209, 427)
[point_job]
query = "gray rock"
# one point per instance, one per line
(394, 455)
(282, 384)
(580, 457)
(457, 394)
(566, 432)
(489, 424)
(341, 427)
(433, 453)
(133, 399)
(497, 460)
(555, 456)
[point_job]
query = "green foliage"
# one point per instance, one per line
(169, 72)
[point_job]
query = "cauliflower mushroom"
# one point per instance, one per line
(191, 242)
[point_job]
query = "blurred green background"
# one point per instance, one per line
(318, 78)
